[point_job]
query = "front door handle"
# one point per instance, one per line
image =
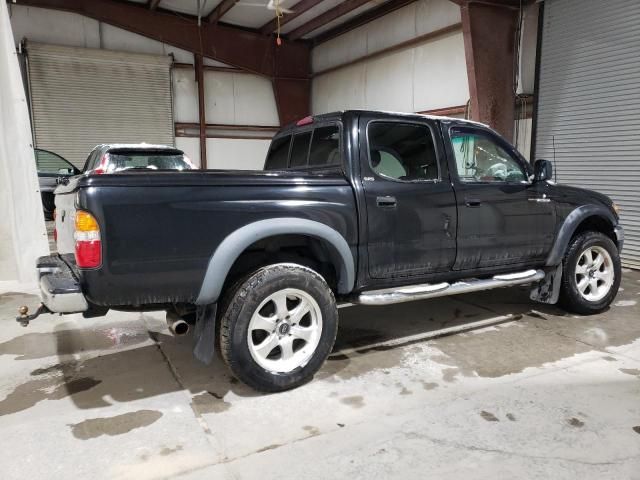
(472, 202)
(386, 202)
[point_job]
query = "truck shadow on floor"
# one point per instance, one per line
(152, 363)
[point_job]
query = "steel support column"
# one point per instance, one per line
(293, 98)
(199, 71)
(489, 43)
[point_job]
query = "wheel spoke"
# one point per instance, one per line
(263, 323)
(302, 333)
(583, 284)
(300, 311)
(597, 263)
(581, 269)
(267, 345)
(286, 346)
(593, 283)
(585, 259)
(280, 300)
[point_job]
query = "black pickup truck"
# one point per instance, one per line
(363, 207)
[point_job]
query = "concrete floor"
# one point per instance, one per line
(540, 395)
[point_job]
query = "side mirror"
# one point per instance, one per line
(542, 170)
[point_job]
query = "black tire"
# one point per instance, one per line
(239, 307)
(570, 297)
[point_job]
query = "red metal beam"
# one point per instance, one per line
(201, 111)
(328, 16)
(153, 4)
(244, 49)
(489, 34)
(223, 7)
(363, 19)
(298, 9)
(494, 3)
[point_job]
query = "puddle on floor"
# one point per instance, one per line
(117, 425)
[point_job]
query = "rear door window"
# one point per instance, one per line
(300, 150)
(325, 146)
(403, 151)
(278, 154)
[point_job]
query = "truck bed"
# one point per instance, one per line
(160, 229)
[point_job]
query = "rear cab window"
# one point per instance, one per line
(318, 147)
(114, 160)
(160, 160)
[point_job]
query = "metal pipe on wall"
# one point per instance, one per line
(199, 71)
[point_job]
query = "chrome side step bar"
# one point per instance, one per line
(410, 293)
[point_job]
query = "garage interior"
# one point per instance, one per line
(484, 385)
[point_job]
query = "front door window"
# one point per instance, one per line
(480, 159)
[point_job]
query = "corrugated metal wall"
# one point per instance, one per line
(589, 102)
(83, 97)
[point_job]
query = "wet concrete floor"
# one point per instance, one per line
(540, 394)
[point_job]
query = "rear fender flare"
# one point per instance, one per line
(237, 242)
(569, 226)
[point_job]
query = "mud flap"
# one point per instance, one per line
(547, 290)
(204, 334)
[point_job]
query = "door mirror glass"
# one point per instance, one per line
(542, 170)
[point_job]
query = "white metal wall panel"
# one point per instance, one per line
(83, 97)
(236, 154)
(430, 75)
(416, 19)
(589, 101)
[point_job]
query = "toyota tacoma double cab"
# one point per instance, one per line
(361, 207)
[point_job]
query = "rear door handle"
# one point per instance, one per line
(472, 202)
(386, 202)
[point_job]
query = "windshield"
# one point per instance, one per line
(119, 161)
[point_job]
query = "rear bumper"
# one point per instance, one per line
(59, 286)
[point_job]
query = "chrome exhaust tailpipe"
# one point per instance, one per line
(177, 326)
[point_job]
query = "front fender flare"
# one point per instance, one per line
(569, 226)
(237, 242)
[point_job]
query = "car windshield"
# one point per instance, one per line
(118, 161)
(49, 162)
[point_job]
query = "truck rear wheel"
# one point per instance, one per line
(591, 273)
(278, 327)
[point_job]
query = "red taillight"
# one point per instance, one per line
(102, 168)
(88, 253)
(88, 244)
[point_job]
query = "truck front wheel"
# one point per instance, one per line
(591, 273)
(278, 327)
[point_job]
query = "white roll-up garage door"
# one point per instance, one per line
(589, 102)
(82, 97)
